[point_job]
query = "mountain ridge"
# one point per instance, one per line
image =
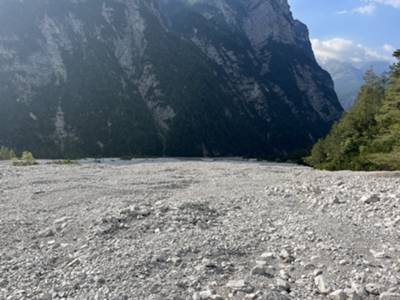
(116, 77)
(349, 78)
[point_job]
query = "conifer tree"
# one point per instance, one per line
(368, 136)
(344, 147)
(385, 147)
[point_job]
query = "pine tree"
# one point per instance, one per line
(385, 147)
(396, 67)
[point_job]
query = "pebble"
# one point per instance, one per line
(344, 262)
(275, 296)
(321, 284)
(48, 232)
(389, 296)
(240, 285)
(338, 295)
(369, 199)
(378, 254)
(372, 289)
(206, 295)
(359, 289)
(283, 284)
(45, 296)
(317, 272)
(268, 256)
(3, 283)
(352, 295)
(309, 254)
(259, 270)
(236, 284)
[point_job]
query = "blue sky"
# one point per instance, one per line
(351, 30)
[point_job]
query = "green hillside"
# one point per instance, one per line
(368, 136)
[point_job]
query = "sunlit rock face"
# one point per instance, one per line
(159, 77)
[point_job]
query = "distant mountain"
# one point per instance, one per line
(160, 77)
(349, 78)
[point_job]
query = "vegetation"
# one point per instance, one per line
(63, 162)
(367, 137)
(7, 154)
(26, 159)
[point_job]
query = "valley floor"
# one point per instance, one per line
(197, 229)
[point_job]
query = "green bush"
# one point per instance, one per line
(7, 154)
(26, 159)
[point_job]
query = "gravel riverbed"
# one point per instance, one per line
(197, 229)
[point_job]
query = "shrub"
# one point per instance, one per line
(6, 154)
(63, 162)
(26, 159)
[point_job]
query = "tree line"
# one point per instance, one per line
(368, 136)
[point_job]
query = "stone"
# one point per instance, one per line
(45, 296)
(378, 254)
(344, 262)
(286, 256)
(309, 267)
(48, 232)
(389, 296)
(3, 283)
(240, 285)
(61, 220)
(338, 295)
(196, 296)
(395, 222)
(373, 289)
(252, 296)
(236, 284)
(100, 280)
(321, 284)
(258, 270)
(336, 200)
(369, 199)
(317, 272)
(284, 275)
(352, 295)
(268, 256)
(283, 285)
(275, 296)
(359, 289)
(203, 295)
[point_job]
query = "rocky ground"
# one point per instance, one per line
(170, 229)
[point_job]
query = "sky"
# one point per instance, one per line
(354, 31)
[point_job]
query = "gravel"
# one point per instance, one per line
(197, 229)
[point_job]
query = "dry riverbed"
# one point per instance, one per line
(197, 229)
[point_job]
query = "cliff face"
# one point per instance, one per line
(159, 77)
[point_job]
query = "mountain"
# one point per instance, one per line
(160, 77)
(349, 78)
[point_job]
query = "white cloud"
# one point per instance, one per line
(346, 50)
(389, 48)
(393, 3)
(368, 9)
